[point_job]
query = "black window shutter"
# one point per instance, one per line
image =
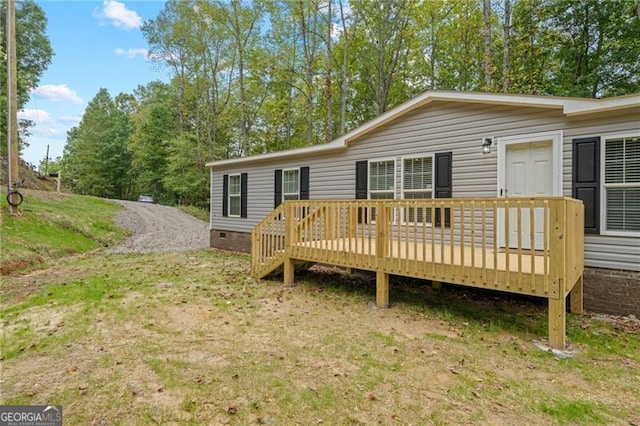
(362, 179)
(362, 171)
(443, 185)
(586, 180)
(277, 188)
(225, 195)
(304, 183)
(243, 194)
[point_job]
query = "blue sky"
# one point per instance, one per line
(96, 44)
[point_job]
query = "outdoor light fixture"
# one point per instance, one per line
(486, 145)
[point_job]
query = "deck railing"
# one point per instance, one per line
(531, 246)
(267, 243)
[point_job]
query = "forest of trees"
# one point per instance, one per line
(249, 77)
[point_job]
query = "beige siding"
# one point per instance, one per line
(439, 127)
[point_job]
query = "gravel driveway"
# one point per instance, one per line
(157, 228)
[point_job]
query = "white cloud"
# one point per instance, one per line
(70, 119)
(132, 52)
(38, 116)
(118, 15)
(58, 92)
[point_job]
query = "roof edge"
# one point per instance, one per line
(569, 107)
(292, 153)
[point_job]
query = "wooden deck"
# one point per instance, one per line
(471, 265)
(468, 242)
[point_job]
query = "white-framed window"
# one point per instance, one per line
(290, 184)
(382, 179)
(417, 182)
(234, 195)
(621, 185)
(382, 182)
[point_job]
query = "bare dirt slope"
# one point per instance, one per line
(155, 229)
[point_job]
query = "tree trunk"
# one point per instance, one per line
(345, 63)
(506, 54)
(487, 45)
(328, 134)
(306, 34)
(244, 133)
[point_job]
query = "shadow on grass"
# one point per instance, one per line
(487, 308)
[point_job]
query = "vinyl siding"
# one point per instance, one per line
(439, 127)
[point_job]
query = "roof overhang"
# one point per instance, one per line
(568, 106)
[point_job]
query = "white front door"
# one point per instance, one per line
(529, 173)
(530, 168)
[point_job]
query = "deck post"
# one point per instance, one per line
(289, 236)
(382, 236)
(557, 253)
(382, 289)
(436, 285)
(289, 271)
(576, 297)
(557, 323)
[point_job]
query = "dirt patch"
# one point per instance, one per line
(41, 319)
(625, 324)
(29, 177)
(47, 194)
(9, 266)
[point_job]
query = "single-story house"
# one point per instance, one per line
(456, 144)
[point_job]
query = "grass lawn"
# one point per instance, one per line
(192, 339)
(53, 226)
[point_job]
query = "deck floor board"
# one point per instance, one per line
(468, 256)
(499, 269)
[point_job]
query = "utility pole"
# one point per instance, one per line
(12, 105)
(46, 162)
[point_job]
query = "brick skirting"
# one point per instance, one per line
(612, 291)
(230, 240)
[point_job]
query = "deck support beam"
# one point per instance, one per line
(436, 285)
(289, 271)
(557, 323)
(576, 298)
(382, 289)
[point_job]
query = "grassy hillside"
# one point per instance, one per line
(53, 226)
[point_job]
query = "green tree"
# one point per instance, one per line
(191, 39)
(188, 180)
(33, 56)
(382, 37)
(155, 123)
(242, 21)
(599, 47)
(97, 160)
